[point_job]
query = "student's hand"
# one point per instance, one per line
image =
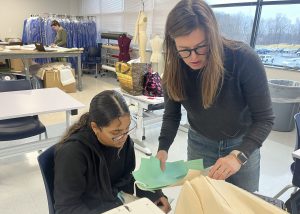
(163, 204)
(224, 167)
(162, 156)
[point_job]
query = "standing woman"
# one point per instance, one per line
(61, 34)
(95, 160)
(223, 86)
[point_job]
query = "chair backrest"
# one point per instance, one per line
(15, 85)
(94, 52)
(296, 164)
(297, 122)
(46, 163)
(33, 69)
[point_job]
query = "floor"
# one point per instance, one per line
(22, 189)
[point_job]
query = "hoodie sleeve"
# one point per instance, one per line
(127, 183)
(69, 182)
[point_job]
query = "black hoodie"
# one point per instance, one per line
(89, 175)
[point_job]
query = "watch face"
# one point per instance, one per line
(242, 158)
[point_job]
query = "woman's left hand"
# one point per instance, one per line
(163, 204)
(224, 167)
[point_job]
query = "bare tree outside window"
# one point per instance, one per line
(235, 26)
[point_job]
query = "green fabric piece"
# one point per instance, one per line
(150, 177)
(195, 164)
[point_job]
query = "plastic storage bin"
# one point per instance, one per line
(285, 96)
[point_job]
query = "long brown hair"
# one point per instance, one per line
(184, 18)
(104, 108)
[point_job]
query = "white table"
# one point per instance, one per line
(16, 104)
(143, 205)
(142, 102)
(296, 154)
(28, 54)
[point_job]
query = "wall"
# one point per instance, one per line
(274, 73)
(13, 13)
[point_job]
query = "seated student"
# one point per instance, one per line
(95, 159)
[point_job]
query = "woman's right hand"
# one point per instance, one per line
(162, 156)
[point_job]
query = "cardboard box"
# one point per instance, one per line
(17, 65)
(52, 79)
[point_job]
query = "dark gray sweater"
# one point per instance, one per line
(242, 107)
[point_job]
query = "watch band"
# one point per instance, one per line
(240, 156)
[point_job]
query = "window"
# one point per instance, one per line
(279, 35)
(91, 7)
(160, 13)
(236, 22)
(131, 12)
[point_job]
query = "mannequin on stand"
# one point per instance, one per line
(124, 43)
(140, 36)
(156, 57)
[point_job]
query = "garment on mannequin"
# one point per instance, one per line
(140, 36)
(124, 43)
(156, 45)
(156, 57)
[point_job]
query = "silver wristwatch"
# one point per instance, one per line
(240, 156)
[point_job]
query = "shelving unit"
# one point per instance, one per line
(110, 50)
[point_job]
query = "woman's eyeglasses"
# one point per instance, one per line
(200, 50)
(130, 130)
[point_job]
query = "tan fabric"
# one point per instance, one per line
(209, 196)
(190, 176)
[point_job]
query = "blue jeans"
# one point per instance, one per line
(200, 147)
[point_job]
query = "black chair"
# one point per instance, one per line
(23, 127)
(93, 58)
(295, 166)
(46, 163)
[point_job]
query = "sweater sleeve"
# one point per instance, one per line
(61, 38)
(170, 124)
(254, 85)
(126, 184)
(69, 182)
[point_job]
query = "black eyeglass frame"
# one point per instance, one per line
(196, 49)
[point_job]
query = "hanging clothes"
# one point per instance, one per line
(81, 33)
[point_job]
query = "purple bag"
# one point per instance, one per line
(152, 84)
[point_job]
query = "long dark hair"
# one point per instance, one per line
(104, 108)
(185, 17)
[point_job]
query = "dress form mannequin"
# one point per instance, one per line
(124, 43)
(140, 36)
(156, 57)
